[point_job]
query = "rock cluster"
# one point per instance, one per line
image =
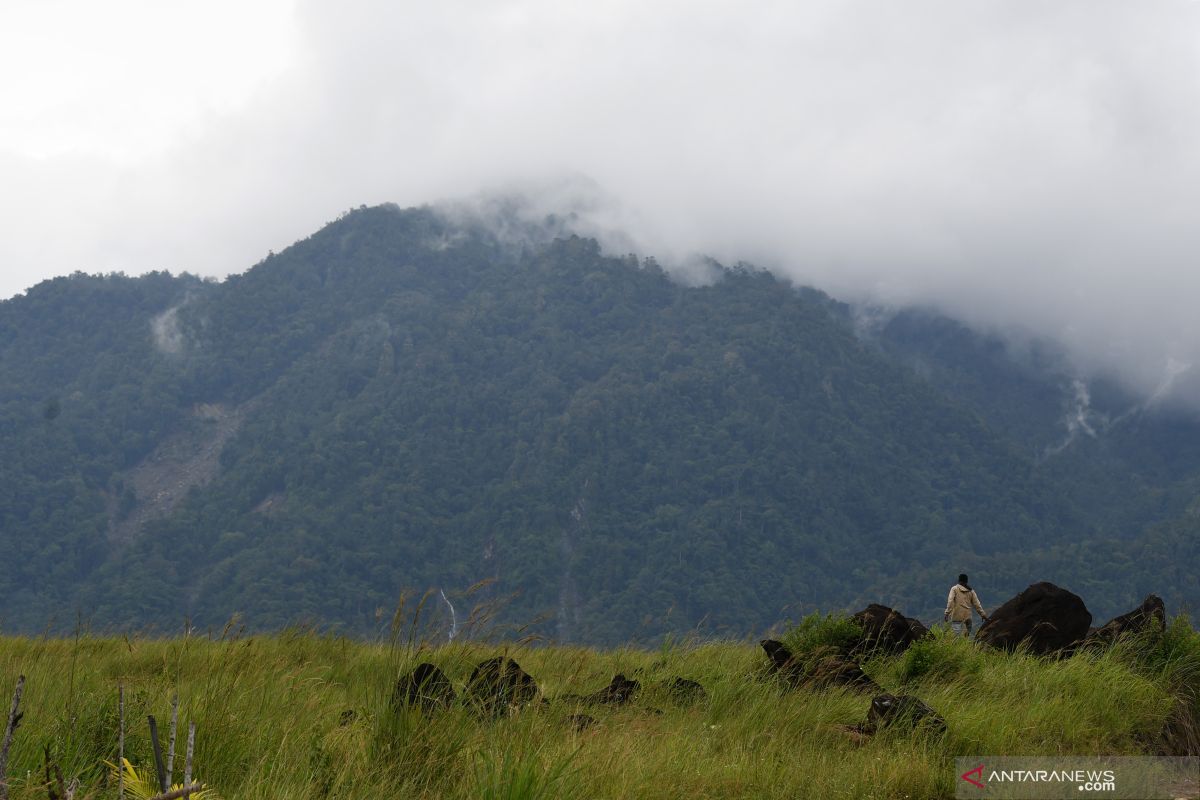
(1044, 619)
(821, 672)
(499, 686)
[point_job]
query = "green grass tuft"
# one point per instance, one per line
(818, 635)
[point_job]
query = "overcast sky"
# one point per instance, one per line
(1019, 164)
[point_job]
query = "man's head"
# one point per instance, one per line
(963, 579)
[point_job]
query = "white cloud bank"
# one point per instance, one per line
(1021, 165)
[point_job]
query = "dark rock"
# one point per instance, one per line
(1151, 615)
(901, 711)
(782, 663)
(1045, 617)
(581, 722)
(830, 670)
(781, 657)
(617, 693)
(426, 687)
(839, 671)
(887, 629)
(857, 734)
(1180, 735)
(685, 692)
(499, 684)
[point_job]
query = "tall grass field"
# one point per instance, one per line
(304, 715)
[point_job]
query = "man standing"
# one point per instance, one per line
(959, 604)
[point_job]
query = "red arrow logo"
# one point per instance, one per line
(978, 771)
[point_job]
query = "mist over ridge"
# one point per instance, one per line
(1161, 373)
(1028, 168)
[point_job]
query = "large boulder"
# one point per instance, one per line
(1045, 617)
(887, 629)
(426, 687)
(499, 684)
(1151, 615)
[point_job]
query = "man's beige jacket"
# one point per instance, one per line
(960, 602)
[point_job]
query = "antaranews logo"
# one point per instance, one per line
(1115, 777)
(977, 780)
(1083, 780)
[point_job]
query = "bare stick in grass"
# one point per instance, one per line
(121, 743)
(171, 739)
(54, 778)
(158, 759)
(187, 764)
(14, 719)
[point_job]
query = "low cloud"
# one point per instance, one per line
(1027, 167)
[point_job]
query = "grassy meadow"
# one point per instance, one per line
(304, 715)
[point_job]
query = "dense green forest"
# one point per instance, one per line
(409, 402)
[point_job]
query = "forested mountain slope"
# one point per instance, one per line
(405, 401)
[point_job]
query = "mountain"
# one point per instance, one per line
(567, 440)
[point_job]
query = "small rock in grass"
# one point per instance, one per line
(617, 693)
(838, 671)
(426, 687)
(499, 684)
(581, 722)
(685, 692)
(902, 711)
